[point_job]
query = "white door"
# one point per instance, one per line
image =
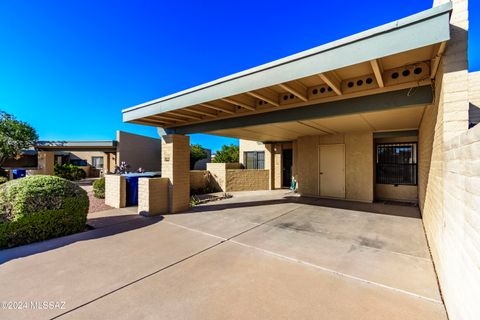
(332, 170)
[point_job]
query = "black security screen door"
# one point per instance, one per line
(397, 163)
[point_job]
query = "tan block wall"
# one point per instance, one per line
(198, 179)
(474, 88)
(115, 191)
(246, 180)
(152, 196)
(176, 167)
(449, 184)
(277, 166)
(400, 192)
(45, 162)
(139, 151)
(219, 173)
(358, 164)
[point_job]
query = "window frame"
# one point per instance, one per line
(255, 159)
(98, 157)
(413, 163)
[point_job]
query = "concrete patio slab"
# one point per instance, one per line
(257, 256)
(231, 281)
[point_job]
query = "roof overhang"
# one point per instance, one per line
(92, 145)
(392, 58)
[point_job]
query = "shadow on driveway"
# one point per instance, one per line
(104, 227)
(399, 209)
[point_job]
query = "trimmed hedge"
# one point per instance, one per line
(99, 188)
(69, 172)
(38, 208)
(3, 180)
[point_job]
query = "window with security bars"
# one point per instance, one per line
(397, 163)
(254, 159)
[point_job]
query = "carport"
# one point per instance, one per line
(330, 103)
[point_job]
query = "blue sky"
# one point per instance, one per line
(70, 67)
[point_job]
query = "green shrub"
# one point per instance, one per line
(3, 180)
(99, 188)
(69, 172)
(38, 208)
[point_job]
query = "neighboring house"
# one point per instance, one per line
(380, 114)
(95, 157)
(202, 163)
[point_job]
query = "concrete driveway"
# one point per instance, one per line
(259, 255)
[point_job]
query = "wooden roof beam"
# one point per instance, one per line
(206, 105)
(162, 117)
(378, 71)
(178, 114)
(333, 81)
(295, 89)
(440, 49)
(264, 98)
(237, 103)
(203, 113)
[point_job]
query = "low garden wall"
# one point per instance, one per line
(115, 191)
(229, 177)
(152, 196)
(246, 180)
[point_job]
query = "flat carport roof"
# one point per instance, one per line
(385, 68)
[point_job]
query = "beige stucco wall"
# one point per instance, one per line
(358, 164)
(139, 151)
(248, 145)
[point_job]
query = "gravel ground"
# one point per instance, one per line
(95, 203)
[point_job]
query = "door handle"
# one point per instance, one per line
(321, 172)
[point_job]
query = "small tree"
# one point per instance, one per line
(15, 136)
(196, 153)
(228, 154)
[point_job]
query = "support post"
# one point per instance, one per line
(176, 167)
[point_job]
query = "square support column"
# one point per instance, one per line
(269, 164)
(176, 167)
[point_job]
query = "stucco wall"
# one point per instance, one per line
(139, 151)
(358, 164)
(248, 145)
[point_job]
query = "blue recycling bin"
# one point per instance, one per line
(19, 173)
(131, 181)
(132, 190)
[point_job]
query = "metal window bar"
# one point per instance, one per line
(397, 163)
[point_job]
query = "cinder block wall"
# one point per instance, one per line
(246, 180)
(152, 196)
(115, 191)
(449, 177)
